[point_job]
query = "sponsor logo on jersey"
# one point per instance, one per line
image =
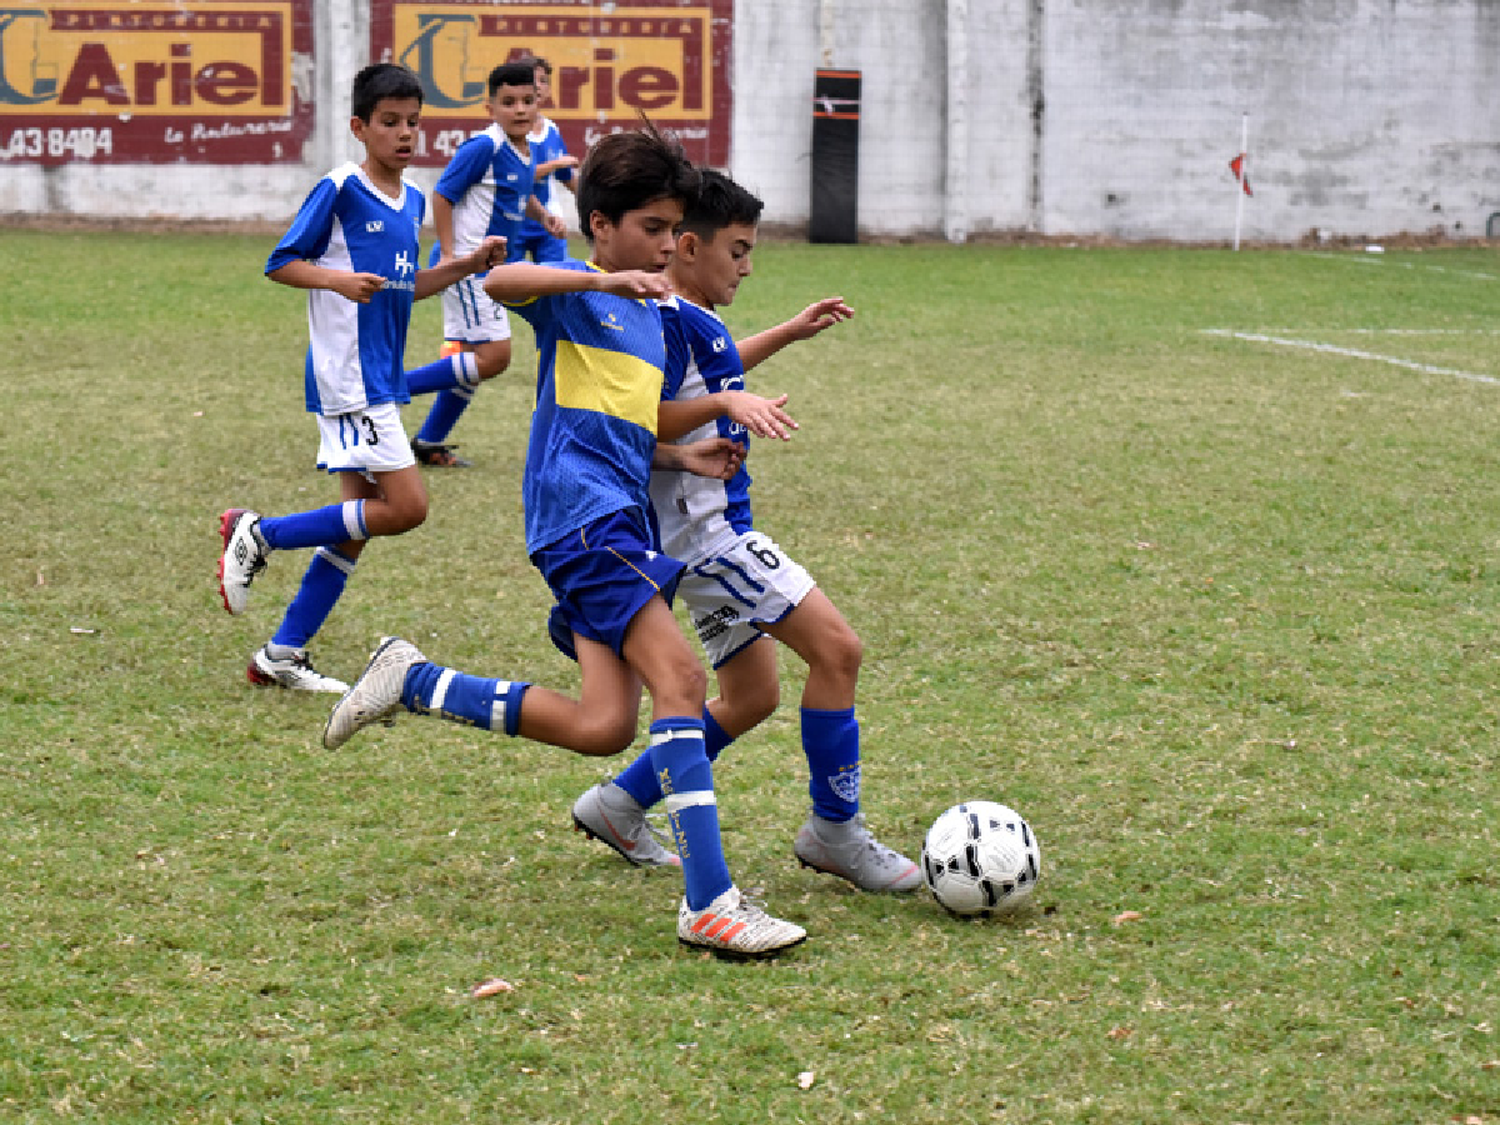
(403, 263)
(720, 343)
(375, 226)
(612, 322)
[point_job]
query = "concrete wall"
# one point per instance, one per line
(1059, 117)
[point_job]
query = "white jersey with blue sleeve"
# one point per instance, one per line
(697, 514)
(488, 182)
(356, 353)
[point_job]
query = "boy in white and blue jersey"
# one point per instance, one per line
(486, 191)
(554, 172)
(588, 465)
(741, 589)
(353, 245)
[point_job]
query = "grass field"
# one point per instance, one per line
(1188, 555)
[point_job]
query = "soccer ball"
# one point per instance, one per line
(981, 858)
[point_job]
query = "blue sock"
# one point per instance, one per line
(451, 371)
(475, 701)
(447, 409)
(639, 778)
(322, 586)
(830, 739)
(321, 527)
(692, 810)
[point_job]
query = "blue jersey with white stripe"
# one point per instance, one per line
(546, 145)
(488, 182)
(599, 376)
(356, 353)
(694, 513)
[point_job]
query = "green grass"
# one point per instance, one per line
(1218, 616)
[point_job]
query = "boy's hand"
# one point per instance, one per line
(554, 226)
(717, 458)
(358, 287)
(634, 283)
(818, 316)
(488, 254)
(567, 160)
(763, 417)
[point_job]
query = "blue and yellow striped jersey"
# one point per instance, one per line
(599, 376)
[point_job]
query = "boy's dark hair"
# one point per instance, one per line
(520, 73)
(625, 171)
(536, 62)
(718, 203)
(379, 81)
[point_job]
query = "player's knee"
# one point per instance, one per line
(842, 654)
(408, 514)
(601, 737)
(757, 705)
(489, 362)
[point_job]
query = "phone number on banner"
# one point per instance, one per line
(82, 144)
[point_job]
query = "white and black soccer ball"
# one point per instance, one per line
(981, 858)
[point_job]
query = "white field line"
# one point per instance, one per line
(1352, 353)
(1377, 260)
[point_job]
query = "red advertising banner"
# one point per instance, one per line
(610, 62)
(203, 82)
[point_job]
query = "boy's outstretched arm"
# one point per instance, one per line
(488, 253)
(805, 325)
(302, 274)
(762, 417)
(522, 281)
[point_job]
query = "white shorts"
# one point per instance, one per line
(471, 315)
(365, 441)
(745, 581)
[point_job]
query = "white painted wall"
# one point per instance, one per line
(1069, 117)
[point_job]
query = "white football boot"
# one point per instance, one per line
(734, 927)
(244, 556)
(376, 695)
(295, 673)
(850, 851)
(612, 816)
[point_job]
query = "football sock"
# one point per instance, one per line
(639, 778)
(830, 739)
(321, 588)
(447, 409)
(692, 810)
(321, 527)
(458, 370)
(475, 701)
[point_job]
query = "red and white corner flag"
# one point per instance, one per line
(1237, 166)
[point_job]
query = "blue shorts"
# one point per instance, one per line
(602, 576)
(542, 247)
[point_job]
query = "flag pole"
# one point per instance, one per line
(1242, 178)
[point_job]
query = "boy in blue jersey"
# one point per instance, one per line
(588, 465)
(353, 244)
(741, 589)
(488, 188)
(554, 170)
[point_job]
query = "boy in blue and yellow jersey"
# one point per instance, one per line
(743, 592)
(353, 245)
(586, 490)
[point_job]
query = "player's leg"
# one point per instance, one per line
(713, 915)
(371, 441)
(399, 677)
(749, 690)
(835, 838)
